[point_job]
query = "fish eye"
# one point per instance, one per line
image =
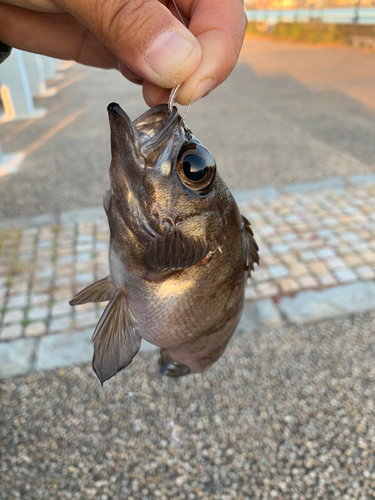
(196, 167)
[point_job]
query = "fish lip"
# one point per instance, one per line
(149, 131)
(118, 118)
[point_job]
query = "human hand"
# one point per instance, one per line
(142, 38)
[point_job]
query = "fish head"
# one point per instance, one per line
(163, 177)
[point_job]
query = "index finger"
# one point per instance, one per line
(219, 26)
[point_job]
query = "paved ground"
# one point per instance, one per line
(317, 257)
(309, 116)
(288, 412)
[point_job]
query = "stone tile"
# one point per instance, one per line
(61, 308)
(13, 316)
(16, 357)
(289, 285)
(19, 288)
(267, 313)
(289, 259)
(259, 275)
(86, 319)
(278, 271)
(267, 289)
(45, 273)
(308, 282)
(368, 257)
(325, 253)
(84, 238)
(63, 294)
(269, 260)
(365, 272)
(335, 263)
(353, 260)
(315, 305)
(299, 245)
(343, 250)
(90, 306)
(147, 347)
(85, 227)
(61, 324)
(279, 248)
(83, 257)
(83, 268)
(289, 237)
(66, 259)
(61, 252)
(317, 267)
(84, 278)
(64, 281)
(250, 293)
(307, 256)
(84, 249)
(35, 329)
(17, 301)
(11, 332)
(102, 246)
(350, 237)
(41, 287)
(37, 313)
(39, 299)
(345, 275)
(103, 237)
(64, 349)
(62, 271)
(360, 247)
(248, 322)
(266, 230)
(327, 279)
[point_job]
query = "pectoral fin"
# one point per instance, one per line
(100, 291)
(116, 339)
(174, 251)
(251, 247)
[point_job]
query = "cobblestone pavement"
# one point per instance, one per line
(317, 261)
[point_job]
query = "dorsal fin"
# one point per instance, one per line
(116, 339)
(100, 291)
(251, 247)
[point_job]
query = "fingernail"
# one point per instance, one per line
(203, 88)
(168, 52)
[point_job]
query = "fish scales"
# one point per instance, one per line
(179, 254)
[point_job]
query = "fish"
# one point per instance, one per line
(179, 254)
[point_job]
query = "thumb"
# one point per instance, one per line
(144, 36)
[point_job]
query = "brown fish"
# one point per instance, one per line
(180, 252)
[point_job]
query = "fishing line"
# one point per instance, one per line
(174, 91)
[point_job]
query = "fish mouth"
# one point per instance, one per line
(140, 149)
(145, 134)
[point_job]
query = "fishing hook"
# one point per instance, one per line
(174, 91)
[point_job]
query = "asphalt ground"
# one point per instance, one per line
(289, 112)
(285, 414)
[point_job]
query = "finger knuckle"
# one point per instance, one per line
(126, 16)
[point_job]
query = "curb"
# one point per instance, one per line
(26, 355)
